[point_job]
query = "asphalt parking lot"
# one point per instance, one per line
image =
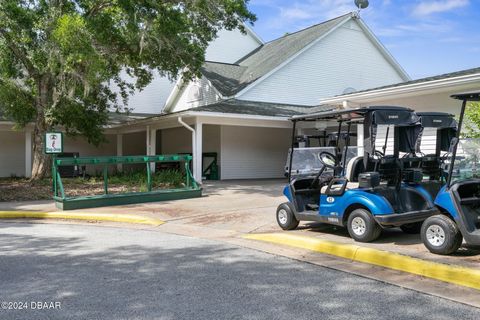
(98, 272)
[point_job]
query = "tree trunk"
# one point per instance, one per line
(41, 162)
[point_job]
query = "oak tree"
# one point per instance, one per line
(61, 60)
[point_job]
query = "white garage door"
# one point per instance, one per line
(253, 153)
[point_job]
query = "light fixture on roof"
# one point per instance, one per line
(361, 4)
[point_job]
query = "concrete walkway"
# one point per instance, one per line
(249, 207)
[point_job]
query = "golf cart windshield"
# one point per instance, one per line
(467, 164)
(306, 161)
(352, 152)
(438, 129)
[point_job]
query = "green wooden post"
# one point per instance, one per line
(60, 185)
(105, 179)
(149, 177)
(186, 174)
(54, 175)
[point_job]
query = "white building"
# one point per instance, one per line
(240, 106)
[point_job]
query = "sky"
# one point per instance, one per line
(427, 37)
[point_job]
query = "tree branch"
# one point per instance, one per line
(19, 53)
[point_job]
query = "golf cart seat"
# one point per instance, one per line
(350, 186)
(389, 169)
(354, 167)
(431, 166)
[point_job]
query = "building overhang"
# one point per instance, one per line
(406, 90)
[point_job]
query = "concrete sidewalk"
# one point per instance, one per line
(249, 207)
(243, 206)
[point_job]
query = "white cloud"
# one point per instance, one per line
(425, 8)
(295, 15)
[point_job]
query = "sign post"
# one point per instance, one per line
(53, 146)
(53, 142)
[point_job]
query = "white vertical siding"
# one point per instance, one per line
(230, 46)
(80, 145)
(196, 94)
(153, 97)
(346, 58)
(253, 153)
(211, 141)
(134, 143)
(12, 153)
(176, 140)
(429, 141)
(179, 140)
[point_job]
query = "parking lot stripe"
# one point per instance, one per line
(123, 218)
(458, 275)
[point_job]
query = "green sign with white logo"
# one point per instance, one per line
(53, 142)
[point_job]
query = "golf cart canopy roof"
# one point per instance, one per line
(437, 120)
(469, 96)
(388, 115)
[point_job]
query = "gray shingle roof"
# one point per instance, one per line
(229, 79)
(234, 106)
(121, 118)
(427, 79)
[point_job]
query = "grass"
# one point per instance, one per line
(21, 189)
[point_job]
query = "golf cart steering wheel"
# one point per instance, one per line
(326, 159)
(378, 153)
(323, 156)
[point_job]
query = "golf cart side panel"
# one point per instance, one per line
(376, 204)
(287, 192)
(424, 192)
(464, 210)
(444, 201)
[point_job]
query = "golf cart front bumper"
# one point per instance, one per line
(398, 219)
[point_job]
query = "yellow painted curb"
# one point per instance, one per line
(462, 276)
(126, 218)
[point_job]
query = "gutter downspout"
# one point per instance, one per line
(194, 145)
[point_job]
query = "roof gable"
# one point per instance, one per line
(230, 79)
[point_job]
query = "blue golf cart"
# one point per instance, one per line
(443, 127)
(364, 191)
(458, 200)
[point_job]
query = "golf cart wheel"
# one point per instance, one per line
(285, 217)
(412, 228)
(362, 227)
(441, 235)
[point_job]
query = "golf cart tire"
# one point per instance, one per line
(288, 221)
(412, 228)
(371, 228)
(453, 236)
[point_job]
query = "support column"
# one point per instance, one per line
(147, 135)
(153, 147)
(119, 150)
(28, 153)
(360, 139)
(197, 152)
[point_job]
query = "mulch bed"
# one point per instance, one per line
(25, 190)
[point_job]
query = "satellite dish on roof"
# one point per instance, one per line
(361, 4)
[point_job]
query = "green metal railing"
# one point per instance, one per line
(133, 197)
